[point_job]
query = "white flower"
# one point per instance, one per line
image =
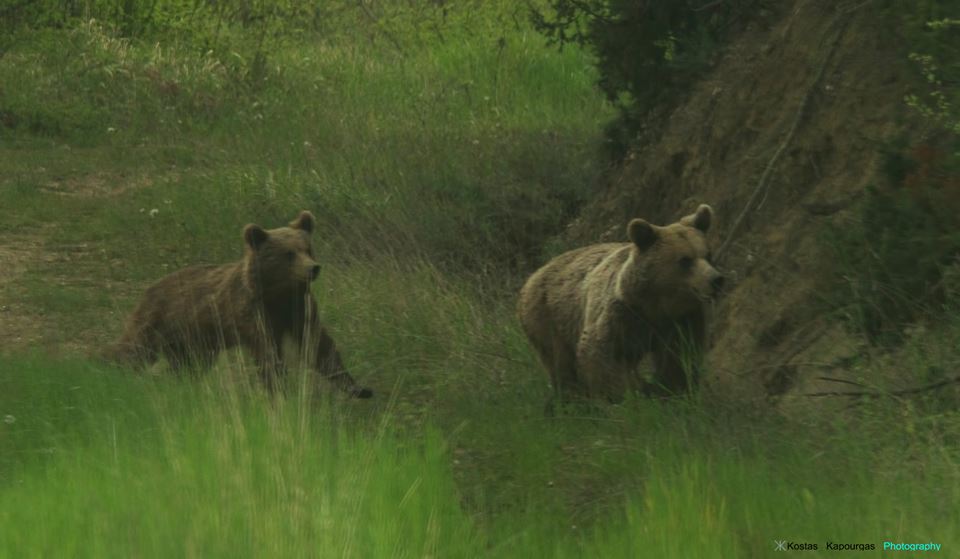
(9, 419)
(154, 212)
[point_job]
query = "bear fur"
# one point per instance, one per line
(191, 315)
(592, 313)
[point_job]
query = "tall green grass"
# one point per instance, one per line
(133, 467)
(103, 463)
(469, 151)
(437, 176)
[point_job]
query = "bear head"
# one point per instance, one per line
(281, 260)
(668, 273)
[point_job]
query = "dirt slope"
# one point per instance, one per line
(832, 78)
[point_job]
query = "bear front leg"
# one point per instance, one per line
(136, 349)
(266, 354)
(602, 374)
(130, 356)
(325, 357)
(673, 373)
(678, 357)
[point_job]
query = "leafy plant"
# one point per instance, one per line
(646, 51)
(893, 258)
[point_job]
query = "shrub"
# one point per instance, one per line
(647, 51)
(893, 261)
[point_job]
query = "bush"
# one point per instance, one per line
(647, 51)
(894, 261)
(891, 260)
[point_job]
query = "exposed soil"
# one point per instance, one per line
(761, 106)
(94, 185)
(19, 327)
(31, 258)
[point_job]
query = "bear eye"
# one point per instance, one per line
(686, 263)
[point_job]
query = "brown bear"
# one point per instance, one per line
(592, 313)
(191, 315)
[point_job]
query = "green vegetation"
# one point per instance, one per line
(647, 53)
(895, 261)
(100, 463)
(355, 133)
(441, 148)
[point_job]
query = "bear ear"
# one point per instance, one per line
(641, 233)
(254, 235)
(304, 222)
(701, 219)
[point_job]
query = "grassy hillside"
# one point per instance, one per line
(442, 166)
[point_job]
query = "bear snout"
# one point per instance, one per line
(717, 284)
(314, 272)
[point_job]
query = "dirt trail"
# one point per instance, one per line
(45, 284)
(20, 326)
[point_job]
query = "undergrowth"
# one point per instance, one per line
(895, 260)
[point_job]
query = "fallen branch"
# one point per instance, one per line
(843, 381)
(888, 393)
(708, 5)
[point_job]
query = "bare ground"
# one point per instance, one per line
(785, 130)
(39, 277)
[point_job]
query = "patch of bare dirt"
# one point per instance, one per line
(37, 274)
(19, 328)
(789, 123)
(98, 185)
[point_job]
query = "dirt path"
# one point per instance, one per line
(54, 296)
(20, 326)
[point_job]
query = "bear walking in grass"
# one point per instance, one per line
(592, 313)
(191, 315)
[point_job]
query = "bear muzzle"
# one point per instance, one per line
(710, 287)
(716, 285)
(314, 272)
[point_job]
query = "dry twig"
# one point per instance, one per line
(888, 393)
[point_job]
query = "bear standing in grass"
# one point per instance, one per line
(191, 315)
(592, 313)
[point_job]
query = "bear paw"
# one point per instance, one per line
(360, 392)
